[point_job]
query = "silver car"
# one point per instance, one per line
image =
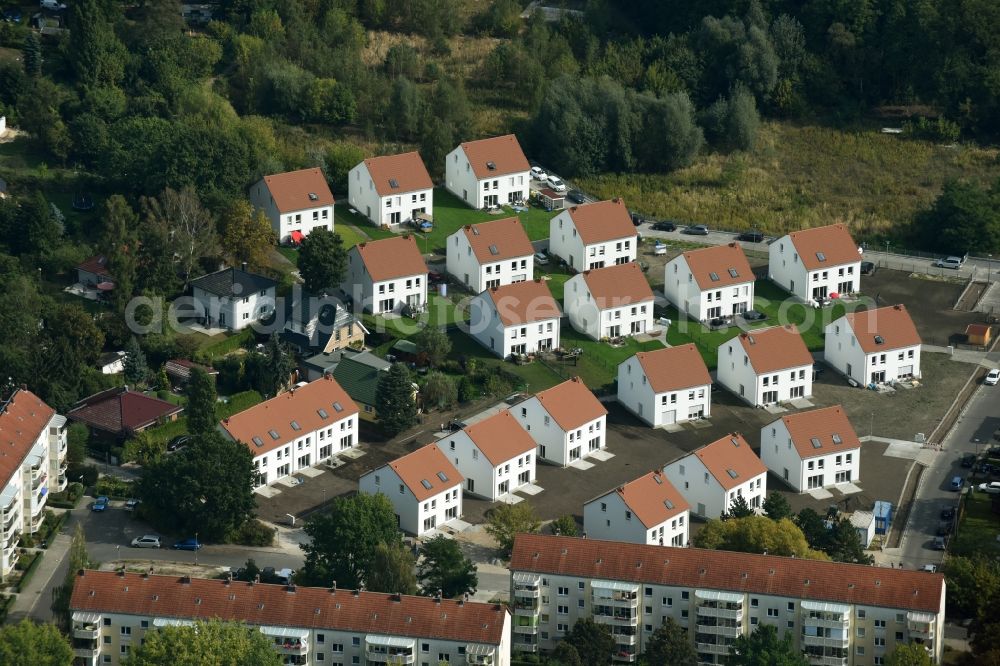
(146, 541)
(949, 262)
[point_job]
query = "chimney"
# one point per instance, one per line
(81, 572)
(290, 588)
(186, 580)
(333, 587)
(244, 265)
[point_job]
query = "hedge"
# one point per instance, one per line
(5, 603)
(28, 572)
(226, 346)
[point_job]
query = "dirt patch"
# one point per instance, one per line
(970, 297)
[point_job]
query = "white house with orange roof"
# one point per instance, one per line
(567, 422)
(392, 189)
(496, 456)
(296, 202)
(666, 386)
(814, 264)
(609, 302)
(490, 254)
(488, 172)
(814, 449)
(874, 346)
(301, 428)
(766, 366)
(647, 510)
(385, 276)
(520, 318)
(712, 477)
(594, 235)
(424, 488)
(711, 282)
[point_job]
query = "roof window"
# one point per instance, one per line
(273, 434)
(393, 183)
(338, 407)
(821, 256)
(425, 483)
(879, 340)
(668, 504)
(714, 276)
(258, 441)
(733, 272)
(295, 425)
(442, 476)
(732, 473)
(837, 439)
(494, 250)
(492, 166)
(322, 413)
(313, 196)
(816, 443)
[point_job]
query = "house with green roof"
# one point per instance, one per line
(358, 374)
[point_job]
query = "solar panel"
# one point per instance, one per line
(821, 256)
(425, 483)
(273, 434)
(494, 250)
(393, 183)
(442, 476)
(733, 272)
(295, 425)
(837, 439)
(338, 407)
(815, 442)
(322, 413)
(714, 276)
(732, 473)
(258, 441)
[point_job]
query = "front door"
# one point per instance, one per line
(470, 485)
(394, 218)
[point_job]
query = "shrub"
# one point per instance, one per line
(252, 533)
(86, 474)
(114, 487)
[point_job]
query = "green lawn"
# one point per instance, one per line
(291, 253)
(598, 365)
(557, 278)
(536, 377)
(235, 404)
(440, 312)
(979, 529)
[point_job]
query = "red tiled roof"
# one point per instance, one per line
(503, 151)
(674, 368)
(614, 286)
(833, 242)
(424, 465)
(652, 498)
(793, 578)
(602, 221)
(571, 404)
(775, 348)
(506, 236)
(524, 302)
(291, 190)
(500, 437)
(391, 258)
(730, 460)
(821, 425)
(300, 406)
(276, 605)
(23, 420)
(98, 265)
(720, 261)
(892, 324)
(407, 169)
(120, 411)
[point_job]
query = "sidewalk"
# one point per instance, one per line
(31, 602)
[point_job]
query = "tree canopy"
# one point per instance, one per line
(669, 644)
(322, 261)
(756, 534)
(200, 409)
(212, 642)
(764, 648)
(444, 568)
(30, 644)
(394, 402)
(506, 521)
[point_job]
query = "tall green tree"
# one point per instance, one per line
(593, 642)
(756, 534)
(845, 546)
(247, 234)
(136, 369)
(212, 642)
(322, 261)
(445, 568)
(78, 558)
(739, 508)
(343, 540)
(432, 344)
(963, 218)
(565, 654)
(508, 520)
(669, 646)
(393, 570)
(31, 54)
(972, 583)
(202, 399)
(30, 644)
(394, 402)
(764, 648)
(120, 244)
(776, 506)
(908, 654)
(279, 364)
(96, 55)
(439, 390)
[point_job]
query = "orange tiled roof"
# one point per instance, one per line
(614, 286)
(674, 368)
(719, 266)
(498, 240)
(500, 437)
(391, 258)
(833, 243)
(571, 404)
(602, 221)
(406, 170)
(524, 302)
(652, 498)
(23, 420)
(730, 460)
(426, 472)
(291, 190)
(504, 152)
(819, 432)
(883, 329)
(775, 348)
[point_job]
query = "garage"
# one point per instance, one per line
(669, 417)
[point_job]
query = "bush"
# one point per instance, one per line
(86, 474)
(29, 569)
(252, 533)
(114, 487)
(68, 498)
(77, 437)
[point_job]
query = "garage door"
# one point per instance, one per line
(669, 417)
(905, 370)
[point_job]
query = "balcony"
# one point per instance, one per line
(10, 542)
(523, 621)
(817, 660)
(35, 483)
(842, 622)
(480, 655)
(525, 607)
(62, 469)
(617, 620)
(520, 646)
(292, 647)
(626, 639)
(821, 641)
(524, 592)
(720, 630)
(375, 656)
(624, 656)
(87, 653)
(90, 632)
(712, 648)
(727, 613)
(617, 599)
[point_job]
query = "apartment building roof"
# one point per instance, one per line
(500, 437)
(426, 472)
(524, 302)
(496, 156)
(882, 329)
(794, 578)
(651, 497)
(233, 282)
(674, 368)
(298, 190)
(23, 419)
(152, 596)
(730, 460)
(775, 348)
(615, 286)
(719, 266)
(820, 432)
(391, 258)
(602, 221)
(293, 414)
(498, 240)
(120, 412)
(571, 404)
(823, 247)
(397, 174)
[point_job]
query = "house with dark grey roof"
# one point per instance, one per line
(233, 298)
(358, 374)
(320, 323)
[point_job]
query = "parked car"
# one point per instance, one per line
(868, 268)
(436, 278)
(636, 219)
(576, 196)
(664, 226)
(751, 236)
(540, 258)
(968, 460)
(100, 504)
(697, 230)
(556, 183)
(178, 442)
(948, 514)
(146, 541)
(993, 487)
(754, 315)
(957, 483)
(187, 544)
(818, 369)
(992, 377)
(12, 15)
(52, 5)
(940, 543)
(929, 568)
(538, 173)
(131, 504)
(949, 262)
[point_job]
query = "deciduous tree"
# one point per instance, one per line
(439, 391)
(394, 403)
(392, 570)
(322, 261)
(202, 399)
(30, 644)
(78, 558)
(564, 654)
(508, 520)
(764, 648)
(212, 642)
(433, 344)
(247, 235)
(908, 654)
(564, 526)
(593, 642)
(669, 646)
(120, 244)
(192, 229)
(444, 568)
(756, 534)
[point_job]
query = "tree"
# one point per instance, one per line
(144, 449)
(96, 55)
(247, 235)
(30, 644)
(270, 372)
(433, 344)
(593, 642)
(845, 546)
(445, 568)
(202, 399)
(962, 218)
(508, 520)
(908, 654)
(565, 526)
(739, 508)
(78, 558)
(392, 570)
(972, 582)
(192, 229)
(120, 244)
(669, 646)
(813, 528)
(756, 534)
(344, 539)
(135, 369)
(764, 648)
(394, 400)
(564, 654)
(31, 52)
(776, 506)
(212, 642)
(322, 261)
(439, 391)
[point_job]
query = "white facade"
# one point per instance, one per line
(233, 313)
(660, 408)
(283, 223)
(556, 445)
(311, 449)
(502, 339)
(737, 374)
(604, 320)
(706, 495)
(566, 243)
(608, 517)
(843, 352)
(385, 209)
(415, 517)
(488, 191)
(786, 269)
(681, 288)
(383, 296)
(826, 470)
(465, 267)
(482, 477)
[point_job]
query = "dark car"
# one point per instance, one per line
(948, 514)
(697, 230)
(637, 219)
(968, 460)
(751, 237)
(940, 543)
(868, 268)
(664, 226)
(753, 315)
(187, 544)
(576, 196)
(178, 442)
